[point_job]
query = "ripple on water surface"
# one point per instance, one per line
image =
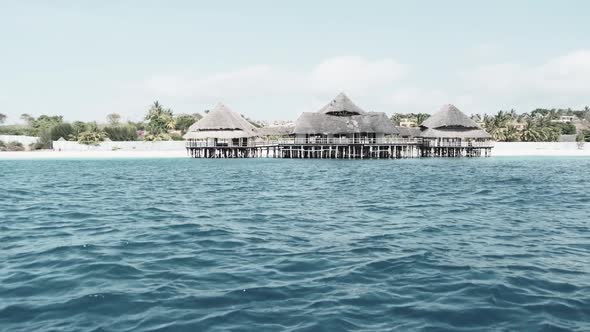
(172, 245)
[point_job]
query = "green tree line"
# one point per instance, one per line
(540, 125)
(159, 123)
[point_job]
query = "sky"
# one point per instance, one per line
(272, 60)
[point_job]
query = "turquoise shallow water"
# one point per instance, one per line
(296, 245)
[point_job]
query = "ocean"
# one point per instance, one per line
(295, 245)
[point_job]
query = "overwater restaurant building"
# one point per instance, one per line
(342, 121)
(451, 133)
(340, 130)
(221, 127)
(220, 133)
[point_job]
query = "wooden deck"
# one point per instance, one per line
(339, 148)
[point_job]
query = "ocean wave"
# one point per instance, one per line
(288, 245)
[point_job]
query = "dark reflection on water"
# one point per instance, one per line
(297, 245)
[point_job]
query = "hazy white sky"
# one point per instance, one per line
(273, 60)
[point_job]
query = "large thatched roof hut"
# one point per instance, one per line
(221, 123)
(342, 118)
(451, 123)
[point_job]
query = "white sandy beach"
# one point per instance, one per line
(49, 154)
(541, 149)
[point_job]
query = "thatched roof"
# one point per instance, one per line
(450, 122)
(408, 132)
(449, 116)
(221, 123)
(275, 131)
(341, 105)
(342, 116)
(319, 123)
(454, 133)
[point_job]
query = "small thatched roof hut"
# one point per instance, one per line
(342, 116)
(450, 122)
(221, 123)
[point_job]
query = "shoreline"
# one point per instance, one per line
(49, 154)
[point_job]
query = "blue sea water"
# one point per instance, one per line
(295, 245)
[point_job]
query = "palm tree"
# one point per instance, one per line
(551, 134)
(511, 134)
(396, 118)
(532, 133)
(491, 126)
(552, 115)
(160, 120)
(523, 117)
(502, 119)
(513, 114)
(421, 117)
(93, 135)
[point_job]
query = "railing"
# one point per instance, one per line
(209, 144)
(436, 144)
(340, 141)
(345, 140)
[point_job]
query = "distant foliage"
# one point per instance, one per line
(92, 136)
(541, 125)
(176, 137)
(565, 128)
(27, 118)
(159, 122)
(184, 121)
(17, 130)
(42, 127)
(36, 146)
(138, 125)
(584, 136)
(3, 118)
(46, 122)
(158, 137)
(121, 133)
(113, 119)
(11, 146)
(417, 117)
(62, 130)
(78, 127)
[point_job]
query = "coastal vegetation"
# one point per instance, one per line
(160, 121)
(122, 132)
(414, 119)
(540, 125)
(184, 121)
(11, 146)
(159, 124)
(584, 136)
(93, 135)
